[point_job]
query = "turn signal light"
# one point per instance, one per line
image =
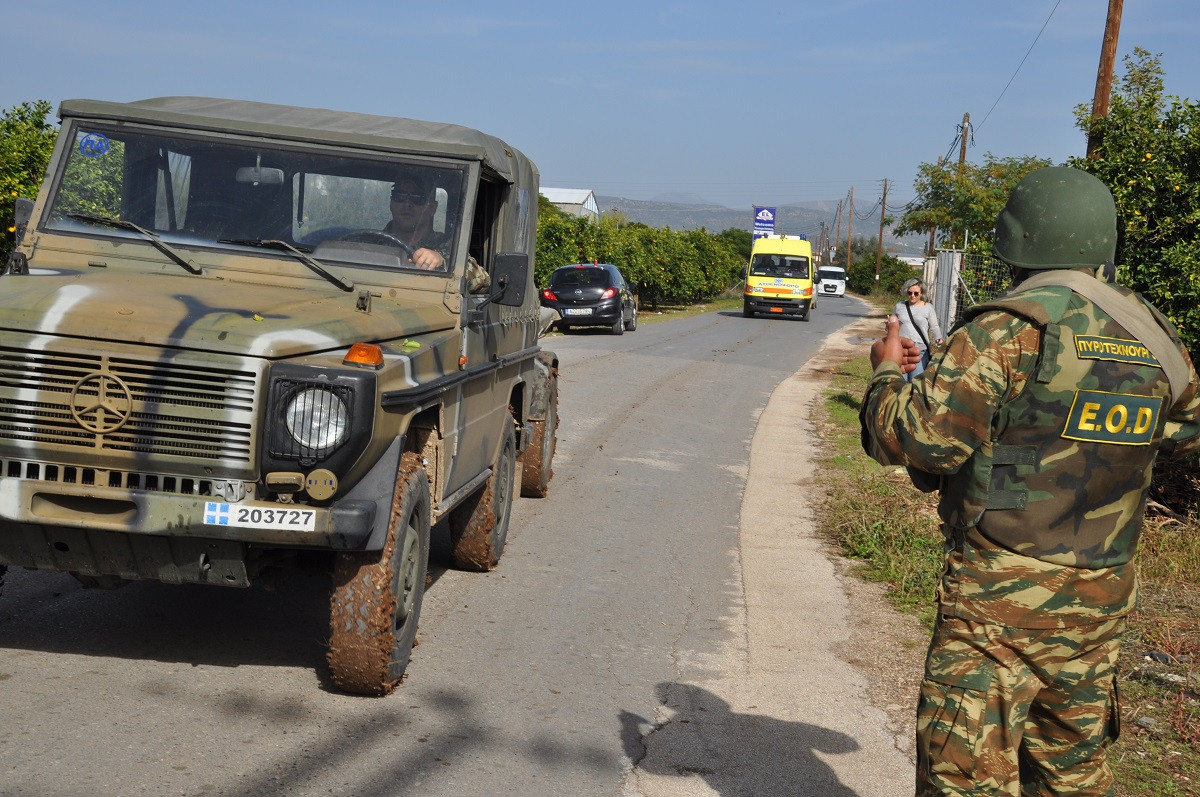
(367, 355)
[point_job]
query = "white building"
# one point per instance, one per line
(575, 201)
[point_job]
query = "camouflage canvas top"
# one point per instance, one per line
(1042, 434)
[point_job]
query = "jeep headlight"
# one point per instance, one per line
(316, 415)
(317, 419)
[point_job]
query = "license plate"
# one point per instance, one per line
(775, 310)
(257, 517)
(578, 311)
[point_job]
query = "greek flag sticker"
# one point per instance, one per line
(216, 514)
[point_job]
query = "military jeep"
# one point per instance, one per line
(225, 349)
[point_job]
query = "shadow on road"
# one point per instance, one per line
(734, 753)
(283, 621)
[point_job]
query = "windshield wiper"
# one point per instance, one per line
(302, 256)
(162, 246)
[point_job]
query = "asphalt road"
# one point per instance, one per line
(662, 623)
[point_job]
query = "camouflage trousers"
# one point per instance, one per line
(1021, 712)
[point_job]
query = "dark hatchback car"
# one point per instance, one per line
(592, 295)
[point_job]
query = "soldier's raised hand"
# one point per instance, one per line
(902, 351)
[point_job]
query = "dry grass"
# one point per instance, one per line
(878, 519)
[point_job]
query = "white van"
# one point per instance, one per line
(833, 280)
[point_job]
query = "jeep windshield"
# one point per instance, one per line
(214, 191)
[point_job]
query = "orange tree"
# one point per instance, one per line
(1149, 148)
(960, 201)
(661, 264)
(26, 139)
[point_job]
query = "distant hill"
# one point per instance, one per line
(802, 218)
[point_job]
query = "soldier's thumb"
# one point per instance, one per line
(893, 328)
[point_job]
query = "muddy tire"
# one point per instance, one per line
(377, 596)
(479, 525)
(538, 458)
(747, 310)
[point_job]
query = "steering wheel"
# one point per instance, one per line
(377, 237)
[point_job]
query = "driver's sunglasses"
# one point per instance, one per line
(411, 197)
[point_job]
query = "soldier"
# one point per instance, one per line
(1039, 424)
(412, 205)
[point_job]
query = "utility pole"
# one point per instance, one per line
(850, 231)
(933, 232)
(882, 216)
(1108, 55)
(837, 236)
(962, 158)
(962, 146)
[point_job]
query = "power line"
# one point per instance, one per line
(953, 144)
(870, 212)
(1018, 69)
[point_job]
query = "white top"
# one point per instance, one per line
(926, 319)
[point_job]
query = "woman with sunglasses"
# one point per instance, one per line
(918, 322)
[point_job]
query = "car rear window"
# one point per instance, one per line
(579, 276)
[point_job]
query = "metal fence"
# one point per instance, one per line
(959, 280)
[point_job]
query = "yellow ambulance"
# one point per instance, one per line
(780, 278)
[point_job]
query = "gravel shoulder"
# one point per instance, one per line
(887, 646)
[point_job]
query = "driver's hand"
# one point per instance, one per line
(428, 259)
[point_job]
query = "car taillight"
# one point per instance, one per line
(548, 295)
(609, 293)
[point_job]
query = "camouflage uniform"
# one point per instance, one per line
(1039, 424)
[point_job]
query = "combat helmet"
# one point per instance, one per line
(1057, 217)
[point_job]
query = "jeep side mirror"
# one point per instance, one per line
(23, 212)
(510, 273)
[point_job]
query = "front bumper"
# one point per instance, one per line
(762, 304)
(98, 531)
(27, 504)
(602, 314)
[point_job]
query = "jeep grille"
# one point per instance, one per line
(113, 405)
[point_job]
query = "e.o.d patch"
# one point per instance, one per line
(1096, 347)
(1119, 418)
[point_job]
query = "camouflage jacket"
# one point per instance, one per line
(1043, 451)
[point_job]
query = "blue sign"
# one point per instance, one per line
(764, 221)
(93, 145)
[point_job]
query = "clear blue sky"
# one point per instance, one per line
(736, 103)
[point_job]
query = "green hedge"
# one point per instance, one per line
(661, 264)
(892, 275)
